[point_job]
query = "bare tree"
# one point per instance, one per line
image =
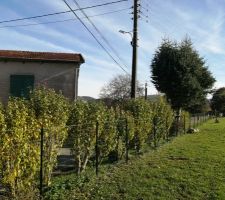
(120, 88)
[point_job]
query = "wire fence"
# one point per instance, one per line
(197, 119)
(99, 143)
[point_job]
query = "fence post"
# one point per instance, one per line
(41, 162)
(197, 120)
(177, 125)
(167, 130)
(96, 150)
(194, 122)
(154, 131)
(127, 143)
(190, 121)
(184, 124)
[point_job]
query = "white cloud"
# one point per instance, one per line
(173, 18)
(214, 40)
(15, 40)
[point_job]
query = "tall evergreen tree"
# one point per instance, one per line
(180, 73)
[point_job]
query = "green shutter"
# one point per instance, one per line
(20, 85)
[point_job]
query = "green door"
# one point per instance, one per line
(20, 85)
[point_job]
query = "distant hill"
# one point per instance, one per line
(154, 97)
(86, 98)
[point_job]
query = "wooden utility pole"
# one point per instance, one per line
(134, 44)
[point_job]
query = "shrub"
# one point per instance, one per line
(141, 111)
(51, 111)
(21, 148)
(124, 131)
(82, 131)
(162, 120)
(82, 125)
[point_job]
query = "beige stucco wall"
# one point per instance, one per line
(60, 76)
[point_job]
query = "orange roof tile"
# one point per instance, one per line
(40, 56)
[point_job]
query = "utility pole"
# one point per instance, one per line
(134, 44)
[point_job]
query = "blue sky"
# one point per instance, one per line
(202, 21)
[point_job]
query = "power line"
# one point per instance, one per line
(62, 12)
(101, 35)
(59, 21)
(94, 36)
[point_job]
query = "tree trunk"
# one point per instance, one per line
(86, 158)
(178, 114)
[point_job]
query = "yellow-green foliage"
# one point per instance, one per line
(141, 111)
(162, 120)
(82, 131)
(20, 125)
(22, 120)
(51, 110)
(82, 125)
(123, 119)
(107, 130)
(21, 146)
(185, 120)
(3, 143)
(124, 130)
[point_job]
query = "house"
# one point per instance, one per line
(21, 71)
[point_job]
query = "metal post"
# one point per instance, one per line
(127, 142)
(197, 119)
(177, 125)
(154, 131)
(190, 122)
(194, 122)
(41, 162)
(146, 91)
(134, 44)
(96, 150)
(167, 130)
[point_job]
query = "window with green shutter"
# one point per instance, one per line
(20, 85)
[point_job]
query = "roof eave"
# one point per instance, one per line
(42, 60)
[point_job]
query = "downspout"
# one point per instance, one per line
(76, 76)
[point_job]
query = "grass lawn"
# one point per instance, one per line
(191, 167)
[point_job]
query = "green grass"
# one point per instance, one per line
(191, 167)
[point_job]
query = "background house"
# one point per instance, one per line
(21, 71)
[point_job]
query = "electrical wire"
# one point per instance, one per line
(60, 21)
(62, 12)
(101, 35)
(96, 39)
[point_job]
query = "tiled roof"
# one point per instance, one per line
(40, 56)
